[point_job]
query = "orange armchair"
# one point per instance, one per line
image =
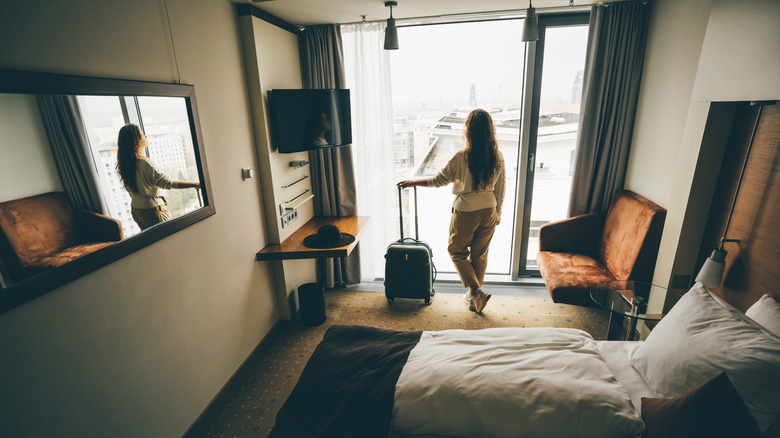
(41, 232)
(621, 244)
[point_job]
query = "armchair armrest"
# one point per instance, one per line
(95, 227)
(579, 234)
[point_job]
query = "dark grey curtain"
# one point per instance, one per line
(613, 69)
(332, 173)
(70, 147)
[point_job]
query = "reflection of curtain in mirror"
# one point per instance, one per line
(70, 147)
(332, 174)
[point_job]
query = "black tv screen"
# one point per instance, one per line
(303, 120)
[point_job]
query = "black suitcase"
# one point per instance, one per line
(409, 269)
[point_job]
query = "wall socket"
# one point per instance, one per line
(288, 218)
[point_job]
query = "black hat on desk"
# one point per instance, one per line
(328, 236)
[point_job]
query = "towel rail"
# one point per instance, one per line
(284, 208)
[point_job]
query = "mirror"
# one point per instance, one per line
(59, 148)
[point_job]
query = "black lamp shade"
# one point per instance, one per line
(530, 25)
(391, 35)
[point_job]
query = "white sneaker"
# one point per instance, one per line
(469, 301)
(480, 299)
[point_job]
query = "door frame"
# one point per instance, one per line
(528, 133)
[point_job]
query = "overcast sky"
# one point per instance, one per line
(438, 63)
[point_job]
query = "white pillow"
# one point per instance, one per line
(766, 311)
(698, 339)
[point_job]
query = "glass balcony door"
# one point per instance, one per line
(555, 77)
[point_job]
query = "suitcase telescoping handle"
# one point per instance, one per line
(401, 214)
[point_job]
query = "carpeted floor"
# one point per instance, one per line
(248, 404)
(455, 287)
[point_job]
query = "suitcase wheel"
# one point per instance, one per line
(428, 301)
(390, 300)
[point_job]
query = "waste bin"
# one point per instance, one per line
(311, 297)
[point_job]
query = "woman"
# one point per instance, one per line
(477, 175)
(142, 179)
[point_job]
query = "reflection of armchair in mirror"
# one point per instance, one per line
(41, 232)
(60, 135)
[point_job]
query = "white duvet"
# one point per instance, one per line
(511, 382)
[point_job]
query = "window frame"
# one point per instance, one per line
(529, 132)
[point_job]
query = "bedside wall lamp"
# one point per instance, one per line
(711, 273)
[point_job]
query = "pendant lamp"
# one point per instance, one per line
(530, 24)
(391, 32)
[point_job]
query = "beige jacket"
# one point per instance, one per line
(457, 172)
(149, 181)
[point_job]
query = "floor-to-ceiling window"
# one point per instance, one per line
(443, 71)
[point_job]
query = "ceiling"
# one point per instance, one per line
(312, 12)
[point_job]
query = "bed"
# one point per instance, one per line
(707, 369)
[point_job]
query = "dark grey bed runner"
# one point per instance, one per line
(346, 389)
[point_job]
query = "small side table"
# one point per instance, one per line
(626, 302)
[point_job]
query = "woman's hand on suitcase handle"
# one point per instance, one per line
(411, 183)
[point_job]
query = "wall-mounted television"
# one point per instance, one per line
(303, 120)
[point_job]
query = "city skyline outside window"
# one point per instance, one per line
(442, 72)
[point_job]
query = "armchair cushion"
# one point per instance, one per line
(568, 276)
(43, 231)
(580, 252)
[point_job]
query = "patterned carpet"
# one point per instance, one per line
(248, 404)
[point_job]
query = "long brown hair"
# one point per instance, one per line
(481, 147)
(127, 155)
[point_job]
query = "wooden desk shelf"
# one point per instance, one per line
(292, 248)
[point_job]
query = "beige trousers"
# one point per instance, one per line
(470, 235)
(147, 217)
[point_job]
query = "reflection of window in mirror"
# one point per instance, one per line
(165, 122)
(167, 127)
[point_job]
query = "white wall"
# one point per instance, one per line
(674, 43)
(659, 168)
(698, 52)
(272, 62)
(740, 58)
(140, 347)
(27, 167)
(273, 53)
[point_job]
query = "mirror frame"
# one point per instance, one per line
(26, 82)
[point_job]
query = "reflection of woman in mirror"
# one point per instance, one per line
(142, 179)
(317, 125)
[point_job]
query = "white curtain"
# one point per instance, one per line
(367, 67)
